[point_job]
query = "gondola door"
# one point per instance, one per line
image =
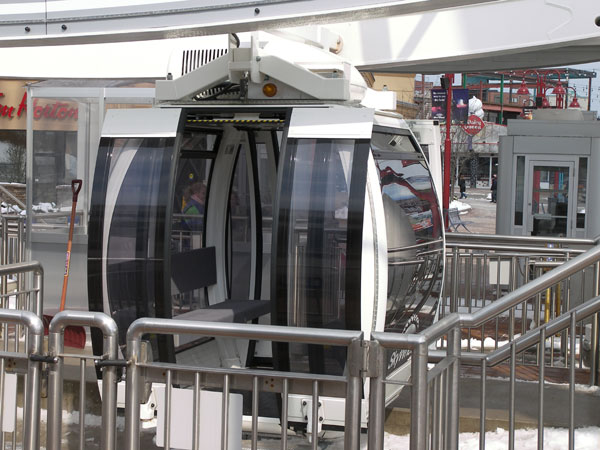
(319, 231)
(129, 225)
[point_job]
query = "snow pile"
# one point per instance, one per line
(5, 208)
(45, 207)
(463, 208)
(554, 439)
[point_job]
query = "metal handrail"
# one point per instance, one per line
(110, 333)
(350, 339)
(533, 240)
(35, 329)
(515, 248)
(517, 296)
(10, 195)
(450, 325)
(553, 327)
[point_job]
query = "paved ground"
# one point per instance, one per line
(483, 213)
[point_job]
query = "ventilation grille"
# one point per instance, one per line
(192, 59)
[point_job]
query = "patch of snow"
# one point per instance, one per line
(587, 438)
(44, 207)
(462, 207)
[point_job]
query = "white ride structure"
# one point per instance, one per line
(269, 185)
(339, 225)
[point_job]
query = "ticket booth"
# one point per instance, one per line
(546, 169)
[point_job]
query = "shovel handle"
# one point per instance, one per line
(76, 187)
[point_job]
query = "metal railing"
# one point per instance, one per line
(536, 339)
(28, 365)
(17, 341)
(347, 386)
(481, 269)
(445, 372)
(434, 375)
(13, 239)
(107, 362)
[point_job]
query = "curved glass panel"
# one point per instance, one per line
(190, 198)
(240, 230)
(265, 181)
(414, 232)
(314, 223)
(126, 260)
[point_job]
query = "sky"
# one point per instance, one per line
(582, 85)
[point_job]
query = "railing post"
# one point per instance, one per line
(132, 394)
(453, 395)
(31, 409)
(38, 286)
(418, 401)
(353, 396)
(109, 392)
(376, 395)
(109, 375)
(594, 337)
(454, 287)
(55, 391)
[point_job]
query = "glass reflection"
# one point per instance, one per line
(414, 233)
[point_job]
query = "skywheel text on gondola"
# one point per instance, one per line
(267, 187)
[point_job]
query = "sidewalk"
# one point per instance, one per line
(483, 212)
(526, 406)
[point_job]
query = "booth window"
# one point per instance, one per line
(581, 192)
(519, 189)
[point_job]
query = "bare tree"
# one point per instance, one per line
(13, 168)
(461, 153)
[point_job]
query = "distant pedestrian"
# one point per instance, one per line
(462, 184)
(494, 187)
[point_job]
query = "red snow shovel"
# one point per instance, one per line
(74, 335)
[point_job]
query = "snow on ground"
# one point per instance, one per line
(554, 439)
(462, 207)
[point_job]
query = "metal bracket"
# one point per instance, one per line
(372, 358)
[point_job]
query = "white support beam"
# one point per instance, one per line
(51, 22)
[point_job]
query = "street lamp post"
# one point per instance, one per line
(541, 86)
(446, 82)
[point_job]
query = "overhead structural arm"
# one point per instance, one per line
(418, 36)
(494, 36)
(49, 22)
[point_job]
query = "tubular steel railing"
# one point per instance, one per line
(443, 432)
(28, 365)
(108, 364)
(284, 383)
(434, 377)
(482, 269)
(537, 339)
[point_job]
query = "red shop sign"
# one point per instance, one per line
(474, 125)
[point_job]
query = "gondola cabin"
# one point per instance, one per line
(308, 214)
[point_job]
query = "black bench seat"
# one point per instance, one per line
(239, 311)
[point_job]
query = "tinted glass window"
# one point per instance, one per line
(190, 199)
(131, 224)
(240, 230)
(317, 179)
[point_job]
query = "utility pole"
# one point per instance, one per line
(446, 82)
